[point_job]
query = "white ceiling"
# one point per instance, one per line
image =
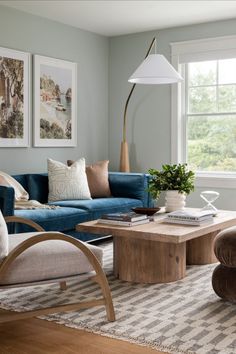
(112, 18)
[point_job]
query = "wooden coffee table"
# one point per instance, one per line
(158, 252)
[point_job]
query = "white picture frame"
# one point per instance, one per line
(14, 98)
(55, 102)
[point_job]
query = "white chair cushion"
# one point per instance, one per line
(3, 238)
(46, 260)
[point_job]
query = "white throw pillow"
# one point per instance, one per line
(67, 183)
(3, 238)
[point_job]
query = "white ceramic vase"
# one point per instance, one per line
(174, 201)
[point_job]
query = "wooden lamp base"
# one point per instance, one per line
(124, 157)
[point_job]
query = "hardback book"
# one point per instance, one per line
(190, 215)
(123, 223)
(130, 216)
(189, 222)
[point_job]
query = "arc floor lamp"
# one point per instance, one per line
(154, 70)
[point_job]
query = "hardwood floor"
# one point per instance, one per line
(34, 336)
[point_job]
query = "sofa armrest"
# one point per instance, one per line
(7, 197)
(130, 185)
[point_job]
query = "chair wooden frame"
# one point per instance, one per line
(99, 278)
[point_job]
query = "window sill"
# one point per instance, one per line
(216, 180)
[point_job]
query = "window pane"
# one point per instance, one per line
(202, 99)
(202, 73)
(227, 71)
(212, 143)
(227, 98)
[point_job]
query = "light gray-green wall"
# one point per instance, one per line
(149, 111)
(105, 63)
(36, 35)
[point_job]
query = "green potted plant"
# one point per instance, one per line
(176, 180)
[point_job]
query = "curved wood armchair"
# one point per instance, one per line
(18, 219)
(39, 237)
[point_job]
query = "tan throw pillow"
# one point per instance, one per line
(3, 238)
(97, 175)
(66, 183)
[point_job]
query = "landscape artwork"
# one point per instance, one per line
(14, 85)
(55, 103)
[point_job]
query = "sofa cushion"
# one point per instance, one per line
(22, 179)
(67, 182)
(61, 219)
(128, 185)
(47, 260)
(97, 175)
(99, 206)
(38, 187)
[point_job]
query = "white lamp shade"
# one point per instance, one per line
(155, 69)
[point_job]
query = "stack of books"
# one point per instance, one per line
(195, 218)
(123, 219)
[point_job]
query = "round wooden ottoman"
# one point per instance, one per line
(224, 275)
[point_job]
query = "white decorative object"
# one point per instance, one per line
(67, 183)
(155, 69)
(210, 197)
(3, 238)
(174, 200)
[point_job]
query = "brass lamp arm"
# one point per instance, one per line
(131, 91)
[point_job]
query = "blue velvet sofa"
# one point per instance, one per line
(128, 190)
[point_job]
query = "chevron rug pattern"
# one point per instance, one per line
(181, 317)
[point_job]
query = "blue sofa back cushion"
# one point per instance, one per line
(130, 185)
(38, 187)
(22, 179)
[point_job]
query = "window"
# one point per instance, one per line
(211, 115)
(204, 109)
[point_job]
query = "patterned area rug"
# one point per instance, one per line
(181, 317)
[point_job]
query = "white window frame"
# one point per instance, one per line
(186, 52)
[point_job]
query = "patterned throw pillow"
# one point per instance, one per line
(67, 183)
(97, 175)
(3, 238)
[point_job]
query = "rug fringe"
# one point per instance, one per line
(158, 346)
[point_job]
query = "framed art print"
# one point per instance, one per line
(55, 103)
(14, 98)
